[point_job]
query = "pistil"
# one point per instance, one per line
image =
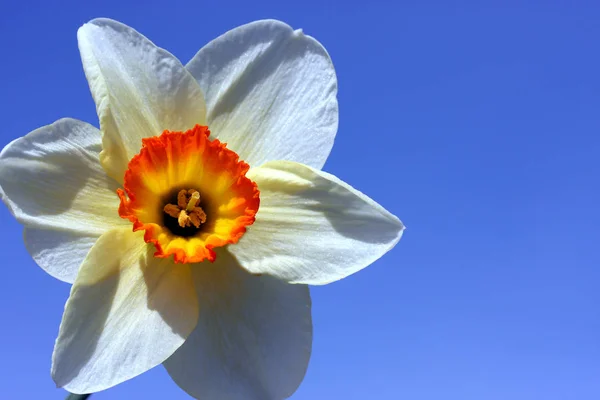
(194, 200)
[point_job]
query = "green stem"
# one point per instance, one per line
(73, 396)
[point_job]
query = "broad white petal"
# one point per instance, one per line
(59, 253)
(139, 89)
(128, 312)
(52, 182)
(270, 93)
(253, 338)
(313, 228)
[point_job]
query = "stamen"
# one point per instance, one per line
(187, 211)
(172, 210)
(197, 216)
(182, 199)
(183, 219)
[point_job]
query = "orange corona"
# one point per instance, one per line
(189, 193)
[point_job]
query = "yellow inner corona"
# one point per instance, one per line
(189, 194)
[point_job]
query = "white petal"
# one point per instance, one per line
(139, 89)
(313, 228)
(128, 312)
(253, 339)
(52, 182)
(270, 93)
(60, 253)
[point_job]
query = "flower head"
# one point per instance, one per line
(192, 221)
(162, 195)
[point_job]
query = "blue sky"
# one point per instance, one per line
(477, 125)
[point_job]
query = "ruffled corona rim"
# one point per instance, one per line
(189, 193)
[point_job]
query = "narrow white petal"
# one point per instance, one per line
(313, 228)
(139, 89)
(253, 338)
(270, 93)
(53, 183)
(127, 313)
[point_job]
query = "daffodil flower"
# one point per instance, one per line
(192, 221)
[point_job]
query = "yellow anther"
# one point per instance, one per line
(183, 219)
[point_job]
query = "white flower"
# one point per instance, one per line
(202, 281)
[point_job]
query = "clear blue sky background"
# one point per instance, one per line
(478, 125)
